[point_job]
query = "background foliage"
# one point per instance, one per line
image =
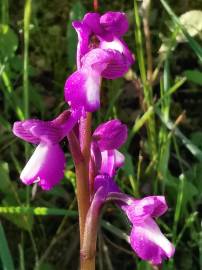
(39, 230)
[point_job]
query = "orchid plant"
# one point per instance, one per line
(101, 53)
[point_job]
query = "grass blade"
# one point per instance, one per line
(188, 143)
(191, 41)
(114, 230)
(27, 15)
(200, 247)
(21, 255)
(38, 211)
(5, 252)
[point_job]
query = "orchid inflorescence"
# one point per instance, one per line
(101, 53)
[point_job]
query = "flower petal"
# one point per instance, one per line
(96, 157)
(110, 63)
(139, 210)
(82, 89)
(92, 20)
(23, 132)
(149, 243)
(46, 166)
(115, 22)
(110, 135)
(83, 32)
(97, 59)
(46, 132)
(120, 46)
(107, 182)
(73, 118)
(119, 159)
(34, 131)
(160, 205)
(108, 160)
(111, 161)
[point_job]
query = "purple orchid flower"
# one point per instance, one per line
(102, 31)
(107, 57)
(46, 165)
(146, 238)
(106, 139)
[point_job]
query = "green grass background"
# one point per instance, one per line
(39, 230)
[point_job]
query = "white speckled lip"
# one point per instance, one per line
(93, 89)
(34, 164)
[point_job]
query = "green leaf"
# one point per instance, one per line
(185, 186)
(192, 21)
(187, 142)
(5, 183)
(5, 123)
(192, 43)
(144, 266)
(11, 198)
(114, 230)
(190, 191)
(76, 13)
(139, 124)
(46, 266)
(200, 247)
(194, 76)
(6, 257)
(195, 177)
(8, 42)
(196, 138)
(128, 165)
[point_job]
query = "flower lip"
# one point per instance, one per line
(149, 243)
(46, 166)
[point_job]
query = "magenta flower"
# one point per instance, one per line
(46, 165)
(146, 239)
(102, 31)
(107, 138)
(107, 57)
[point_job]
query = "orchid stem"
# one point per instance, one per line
(88, 250)
(87, 264)
(146, 82)
(85, 137)
(81, 154)
(81, 182)
(95, 5)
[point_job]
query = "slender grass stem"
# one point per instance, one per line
(146, 12)
(27, 17)
(4, 12)
(147, 87)
(22, 258)
(180, 194)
